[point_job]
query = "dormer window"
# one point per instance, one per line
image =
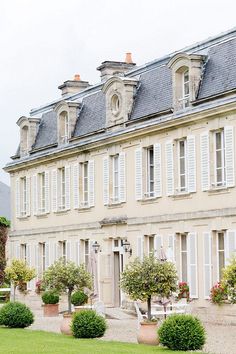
(115, 104)
(64, 127)
(186, 75)
(25, 140)
(67, 113)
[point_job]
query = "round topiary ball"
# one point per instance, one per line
(88, 324)
(79, 298)
(182, 332)
(50, 297)
(16, 315)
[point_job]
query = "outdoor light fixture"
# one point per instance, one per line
(95, 246)
(127, 247)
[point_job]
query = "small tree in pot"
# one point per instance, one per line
(143, 279)
(66, 277)
(78, 299)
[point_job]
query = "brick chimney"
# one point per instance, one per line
(70, 87)
(111, 68)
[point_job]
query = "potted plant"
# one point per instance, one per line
(51, 303)
(66, 276)
(18, 273)
(183, 291)
(143, 279)
(218, 293)
(78, 299)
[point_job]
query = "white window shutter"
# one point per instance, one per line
(68, 250)
(140, 241)
(17, 201)
(230, 245)
(171, 248)
(157, 170)
(138, 174)
(54, 190)
(122, 178)
(192, 264)
(76, 185)
(67, 187)
(169, 168)
(47, 199)
(207, 264)
(77, 244)
(47, 255)
(28, 255)
(91, 182)
(205, 161)
(158, 243)
(229, 156)
(106, 180)
(28, 196)
(191, 163)
(35, 194)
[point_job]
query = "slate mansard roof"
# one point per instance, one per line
(154, 91)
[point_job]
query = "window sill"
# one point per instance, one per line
(23, 217)
(218, 190)
(115, 205)
(84, 209)
(149, 200)
(42, 215)
(182, 195)
(60, 212)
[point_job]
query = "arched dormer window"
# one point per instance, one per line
(186, 75)
(67, 113)
(25, 140)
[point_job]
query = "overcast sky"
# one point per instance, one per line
(44, 43)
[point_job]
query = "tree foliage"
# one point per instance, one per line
(229, 279)
(65, 277)
(143, 279)
(4, 224)
(18, 273)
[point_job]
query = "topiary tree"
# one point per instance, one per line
(145, 278)
(19, 273)
(88, 324)
(66, 277)
(4, 225)
(229, 279)
(16, 315)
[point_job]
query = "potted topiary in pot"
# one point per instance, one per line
(78, 299)
(143, 279)
(50, 299)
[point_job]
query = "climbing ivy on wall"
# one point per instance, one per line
(4, 224)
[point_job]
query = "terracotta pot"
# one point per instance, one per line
(50, 310)
(147, 333)
(66, 324)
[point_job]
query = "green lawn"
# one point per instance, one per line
(22, 341)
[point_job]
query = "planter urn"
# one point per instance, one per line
(66, 324)
(147, 333)
(50, 310)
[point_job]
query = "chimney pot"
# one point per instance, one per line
(77, 77)
(128, 58)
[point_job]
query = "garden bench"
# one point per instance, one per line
(170, 309)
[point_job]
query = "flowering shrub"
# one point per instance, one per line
(218, 293)
(183, 291)
(229, 279)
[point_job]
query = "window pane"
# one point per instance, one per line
(184, 266)
(218, 158)
(221, 241)
(219, 176)
(181, 148)
(182, 166)
(183, 242)
(218, 141)
(182, 182)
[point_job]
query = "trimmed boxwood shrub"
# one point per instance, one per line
(88, 324)
(79, 298)
(16, 315)
(182, 332)
(50, 297)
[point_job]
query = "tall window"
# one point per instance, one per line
(23, 252)
(115, 167)
(182, 165)
(62, 245)
(150, 172)
(86, 253)
(62, 185)
(185, 88)
(43, 256)
(24, 196)
(42, 204)
(219, 159)
(183, 251)
(221, 252)
(85, 186)
(66, 128)
(150, 245)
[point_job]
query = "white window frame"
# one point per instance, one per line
(23, 187)
(42, 193)
(221, 183)
(62, 185)
(222, 250)
(43, 256)
(181, 261)
(150, 166)
(115, 179)
(183, 189)
(23, 251)
(85, 182)
(86, 252)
